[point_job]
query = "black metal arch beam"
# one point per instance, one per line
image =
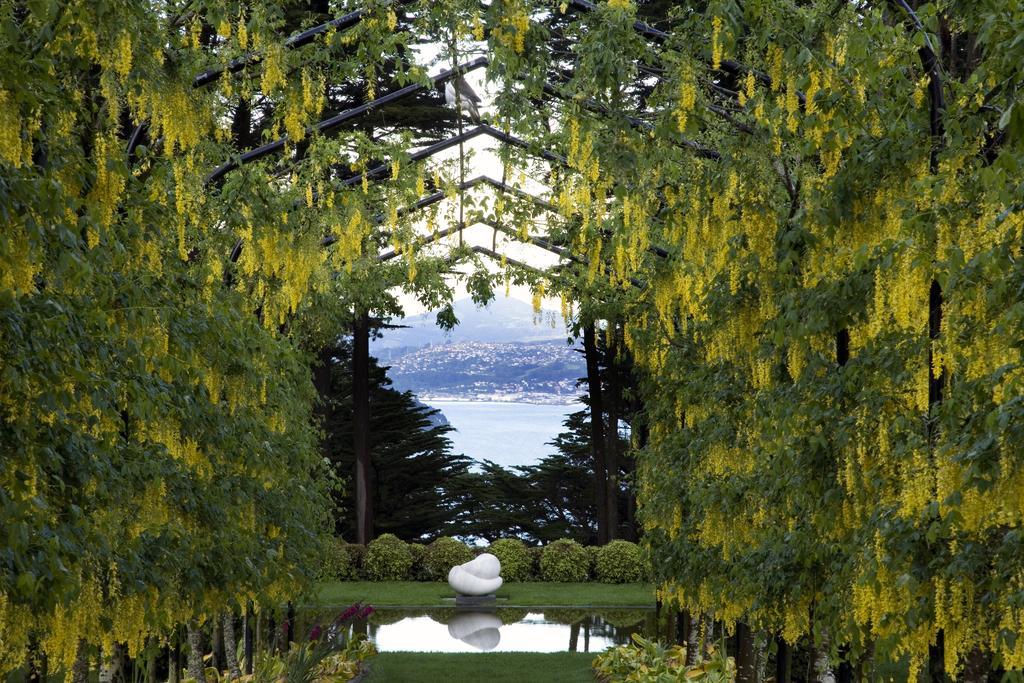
(234, 66)
(337, 120)
(592, 106)
(440, 195)
(380, 170)
(540, 242)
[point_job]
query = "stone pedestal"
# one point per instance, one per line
(475, 600)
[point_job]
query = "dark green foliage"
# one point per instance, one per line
(442, 555)
(418, 571)
(620, 562)
(564, 560)
(388, 558)
(540, 503)
(356, 553)
(516, 563)
(413, 466)
(337, 562)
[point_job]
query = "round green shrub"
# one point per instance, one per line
(388, 558)
(337, 563)
(620, 562)
(442, 555)
(563, 561)
(565, 616)
(515, 559)
(418, 571)
(356, 554)
(511, 615)
(535, 553)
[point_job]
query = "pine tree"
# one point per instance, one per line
(410, 452)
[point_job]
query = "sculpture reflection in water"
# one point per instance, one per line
(479, 629)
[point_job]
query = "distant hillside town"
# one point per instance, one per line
(504, 352)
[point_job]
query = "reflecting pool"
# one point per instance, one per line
(496, 630)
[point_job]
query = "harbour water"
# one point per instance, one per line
(504, 432)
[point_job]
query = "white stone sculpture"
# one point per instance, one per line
(479, 629)
(476, 577)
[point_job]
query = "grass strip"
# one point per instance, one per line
(492, 667)
(533, 594)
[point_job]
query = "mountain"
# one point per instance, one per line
(504, 320)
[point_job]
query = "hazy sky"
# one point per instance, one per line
(482, 158)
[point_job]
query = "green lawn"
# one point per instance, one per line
(533, 594)
(493, 667)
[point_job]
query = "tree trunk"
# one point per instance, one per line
(174, 657)
(152, 655)
(80, 669)
(760, 655)
(574, 637)
(230, 646)
(248, 635)
(612, 455)
(746, 662)
(937, 660)
(597, 440)
(693, 641)
(783, 661)
(822, 667)
(217, 645)
(361, 427)
(195, 652)
(111, 665)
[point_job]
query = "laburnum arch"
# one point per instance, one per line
(805, 219)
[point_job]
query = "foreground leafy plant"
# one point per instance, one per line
(648, 661)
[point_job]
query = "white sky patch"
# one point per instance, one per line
(482, 158)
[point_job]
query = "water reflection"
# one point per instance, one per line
(482, 630)
(501, 630)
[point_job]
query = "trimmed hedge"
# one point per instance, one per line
(356, 554)
(418, 571)
(443, 554)
(620, 562)
(564, 561)
(388, 558)
(337, 564)
(516, 563)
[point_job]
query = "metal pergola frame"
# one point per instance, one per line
(216, 177)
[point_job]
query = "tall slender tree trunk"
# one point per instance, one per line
(80, 669)
(693, 640)
(195, 652)
(783, 661)
(361, 427)
(112, 665)
(822, 666)
(230, 646)
(248, 635)
(174, 658)
(612, 457)
(574, 637)
(746, 661)
(151, 656)
(217, 644)
(597, 439)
